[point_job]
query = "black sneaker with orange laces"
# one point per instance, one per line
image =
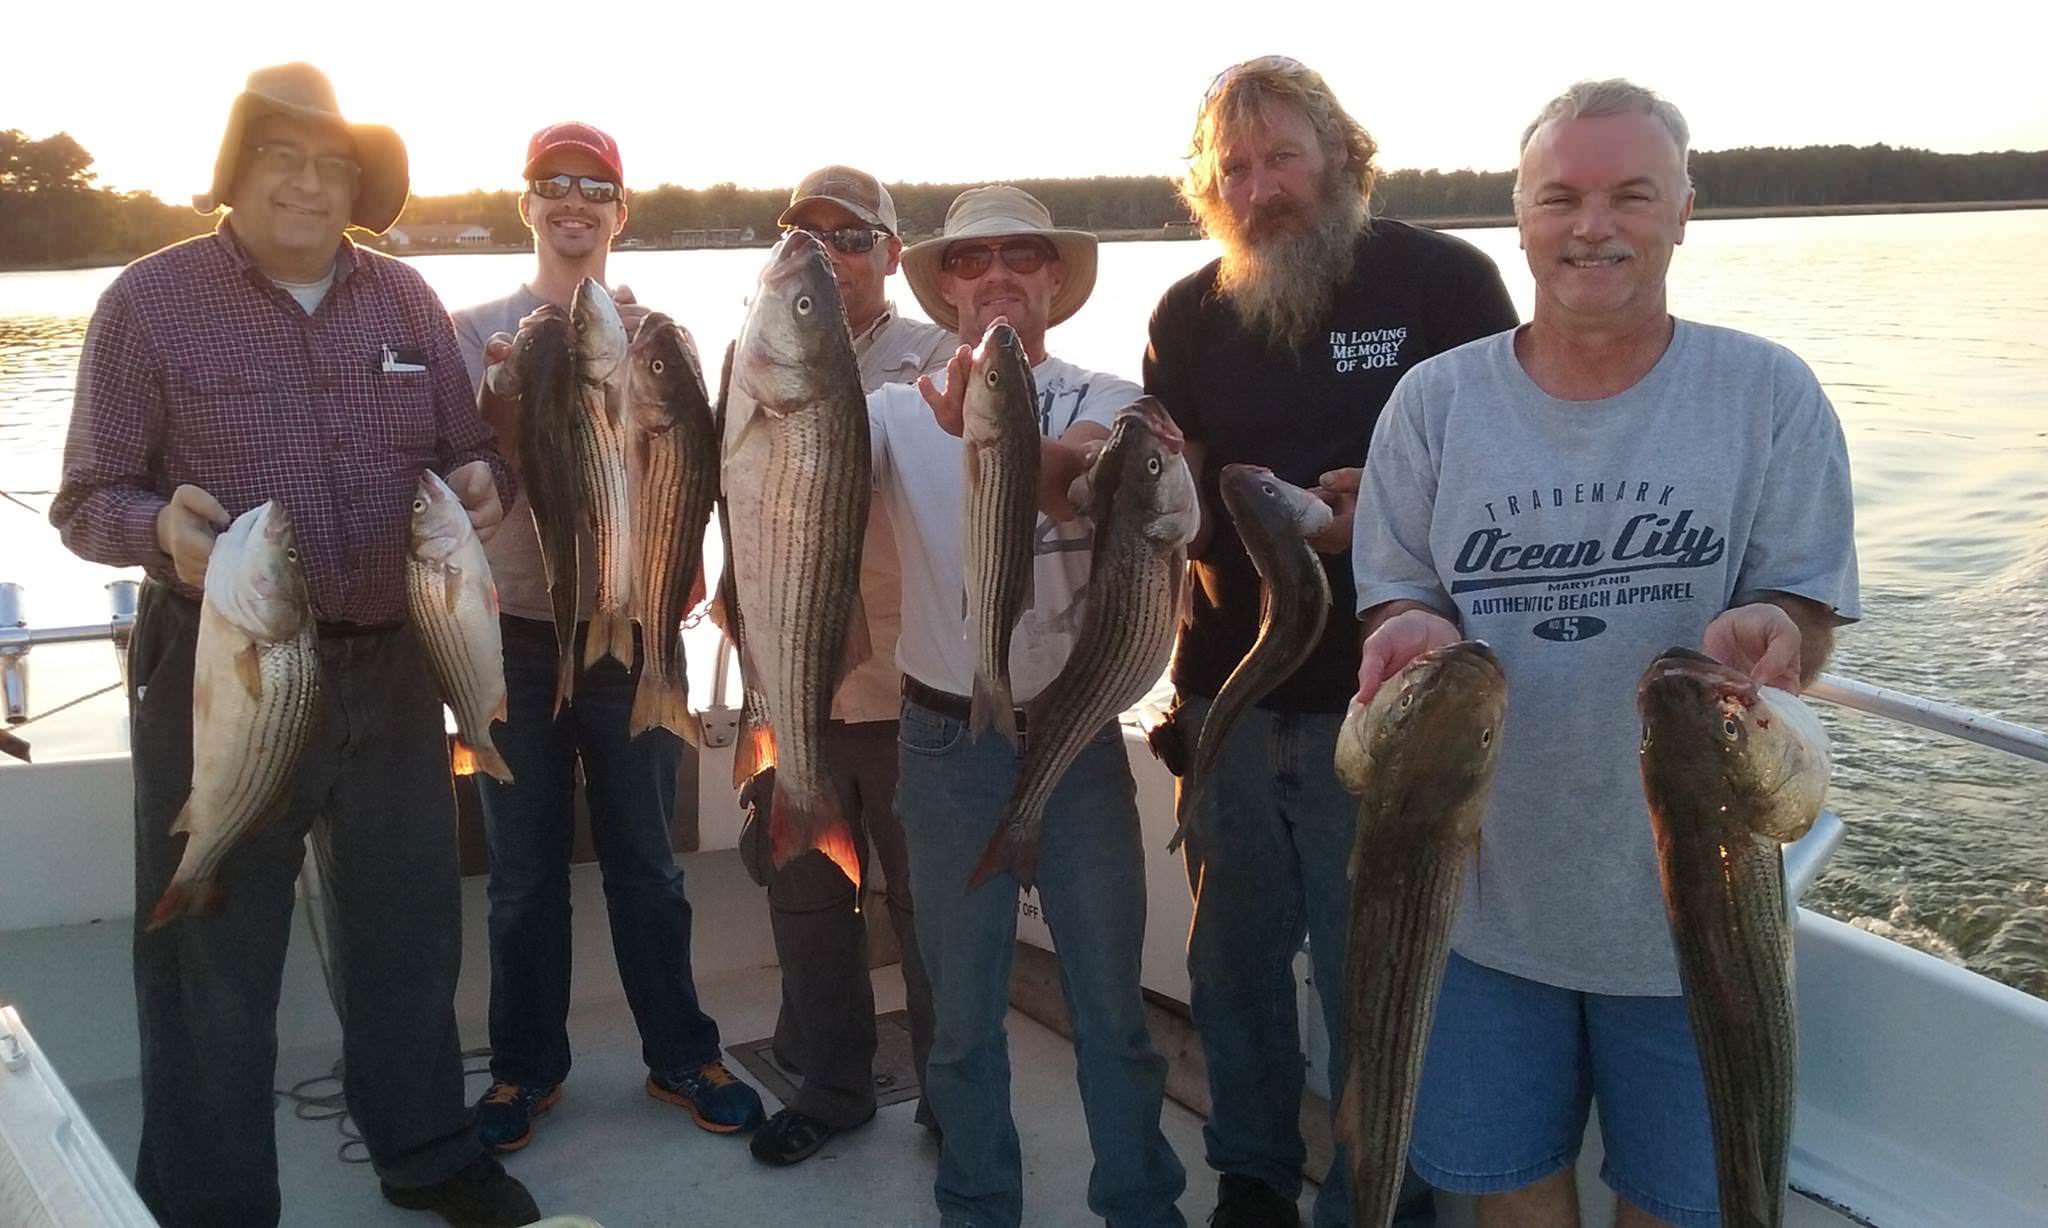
(717, 1100)
(504, 1117)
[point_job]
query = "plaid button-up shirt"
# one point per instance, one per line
(197, 368)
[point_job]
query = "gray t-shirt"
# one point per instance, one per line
(1581, 539)
(514, 551)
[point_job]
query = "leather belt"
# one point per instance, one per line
(947, 704)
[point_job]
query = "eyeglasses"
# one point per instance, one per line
(852, 240)
(969, 261)
(596, 191)
(286, 161)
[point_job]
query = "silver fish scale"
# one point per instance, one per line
(465, 679)
(1002, 516)
(601, 460)
(1125, 642)
(277, 726)
(801, 559)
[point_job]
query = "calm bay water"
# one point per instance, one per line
(1930, 333)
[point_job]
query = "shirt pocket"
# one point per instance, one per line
(395, 412)
(228, 402)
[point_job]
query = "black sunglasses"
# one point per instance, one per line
(969, 261)
(852, 240)
(596, 191)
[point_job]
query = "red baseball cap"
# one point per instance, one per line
(573, 135)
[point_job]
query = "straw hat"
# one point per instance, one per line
(1000, 211)
(304, 92)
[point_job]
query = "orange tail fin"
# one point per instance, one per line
(1007, 852)
(201, 898)
(794, 829)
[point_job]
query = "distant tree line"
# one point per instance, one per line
(51, 214)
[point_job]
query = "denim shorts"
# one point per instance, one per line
(1513, 1065)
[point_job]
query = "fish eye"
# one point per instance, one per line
(994, 377)
(803, 304)
(1266, 488)
(1152, 466)
(657, 366)
(292, 553)
(1486, 737)
(418, 506)
(1729, 728)
(1407, 698)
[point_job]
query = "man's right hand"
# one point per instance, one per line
(1399, 640)
(498, 404)
(185, 529)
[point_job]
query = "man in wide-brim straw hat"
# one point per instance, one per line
(274, 360)
(1000, 257)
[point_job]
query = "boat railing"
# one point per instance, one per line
(17, 637)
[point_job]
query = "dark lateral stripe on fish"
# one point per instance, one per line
(291, 686)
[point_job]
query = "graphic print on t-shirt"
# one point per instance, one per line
(1366, 349)
(1631, 542)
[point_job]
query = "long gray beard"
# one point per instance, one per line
(1284, 287)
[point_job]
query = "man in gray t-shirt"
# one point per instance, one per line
(1583, 493)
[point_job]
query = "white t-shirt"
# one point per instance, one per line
(920, 470)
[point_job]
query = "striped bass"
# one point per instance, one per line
(454, 610)
(1142, 498)
(255, 693)
(1000, 433)
(1274, 519)
(672, 471)
(1421, 757)
(797, 465)
(601, 367)
(1732, 771)
(544, 355)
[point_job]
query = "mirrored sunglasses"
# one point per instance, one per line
(596, 191)
(851, 240)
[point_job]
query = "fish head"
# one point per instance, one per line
(1151, 474)
(600, 333)
(664, 375)
(1711, 735)
(1432, 734)
(253, 577)
(796, 318)
(546, 342)
(439, 525)
(1000, 391)
(1279, 508)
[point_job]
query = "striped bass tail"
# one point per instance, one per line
(468, 760)
(610, 635)
(992, 708)
(1184, 811)
(1007, 852)
(565, 674)
(660, 702)
(828, 831)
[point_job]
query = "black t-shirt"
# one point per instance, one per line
(1412, 293)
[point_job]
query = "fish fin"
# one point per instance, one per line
(1184, 813)
(753, 750)
(182, 825)
(249, 668)
(692, 730)
(1068, 620)
(565, 677)
(200, 898)
(461, 759)
(451, 588)
(491, 762)
(610, 635)
(794, 830)
(992, 707)
(1006, 852)
(860, 645)
(659, 702)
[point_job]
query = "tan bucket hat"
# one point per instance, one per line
(304, 92)
(1000, 211)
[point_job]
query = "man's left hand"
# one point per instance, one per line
(1761, 640)
(478, 490)
(1339, 489)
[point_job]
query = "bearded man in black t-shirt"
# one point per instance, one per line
(1281, 354)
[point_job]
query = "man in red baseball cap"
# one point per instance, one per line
(575, 204)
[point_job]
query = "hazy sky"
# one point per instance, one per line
(759, 93)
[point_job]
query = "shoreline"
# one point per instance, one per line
(1178, 233)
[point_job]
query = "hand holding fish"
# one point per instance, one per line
(478, 490)
(949, 404)
(1761, 640)
(630, 310)
(1409, 631)
(185, 529)
(1339, 489)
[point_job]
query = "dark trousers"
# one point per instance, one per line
(630, 785)
(827, 1025)
(373, 792)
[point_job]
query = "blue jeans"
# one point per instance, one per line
(1266, 857)
(630, 786)
(1514, 1066)
(1091, 883)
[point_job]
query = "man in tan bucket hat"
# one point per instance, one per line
(1001, 258)
(274, 361)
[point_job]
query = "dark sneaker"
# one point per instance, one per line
(720, 1103)
(504, 1117)
(791, 1136)
(482, 1195)
(1246, 1202)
